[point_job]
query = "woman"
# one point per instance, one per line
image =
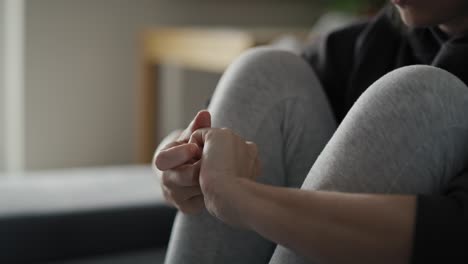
(387, 186)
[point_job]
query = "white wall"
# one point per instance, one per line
(2, 72)
(80, 69)
(11, 83)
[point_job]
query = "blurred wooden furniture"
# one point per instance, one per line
(204, 49)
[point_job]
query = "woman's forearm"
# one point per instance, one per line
(328, 227)
(324, 226)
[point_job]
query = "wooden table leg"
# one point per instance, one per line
(146, 109)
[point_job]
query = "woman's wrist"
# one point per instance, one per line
(227, 200)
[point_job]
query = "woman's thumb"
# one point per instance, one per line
(202, 120)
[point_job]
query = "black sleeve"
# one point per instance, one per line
(441, 225)
(332, 58)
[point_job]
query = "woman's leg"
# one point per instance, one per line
(408, 133)
(274, 99)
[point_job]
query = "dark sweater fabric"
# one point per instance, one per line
(349, 60)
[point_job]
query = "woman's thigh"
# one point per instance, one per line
(408, 133)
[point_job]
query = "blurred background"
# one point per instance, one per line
(79, 69)
(87, 90)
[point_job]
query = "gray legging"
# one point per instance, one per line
(408, 133)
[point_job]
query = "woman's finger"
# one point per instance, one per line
(166, 143)
(184, 176)
(192, 206)
(201, 120)
(172, 144)
(181, 194)
(176, 156)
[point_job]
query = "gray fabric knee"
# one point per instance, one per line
(408, 119)
(432, 82)
(279, 73)
(431, 90)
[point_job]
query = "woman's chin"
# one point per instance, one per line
(416, 20)
(413, 23)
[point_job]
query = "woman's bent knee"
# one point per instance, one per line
(269, 71)
(265, 57)
(426, 89)
(421, 80)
